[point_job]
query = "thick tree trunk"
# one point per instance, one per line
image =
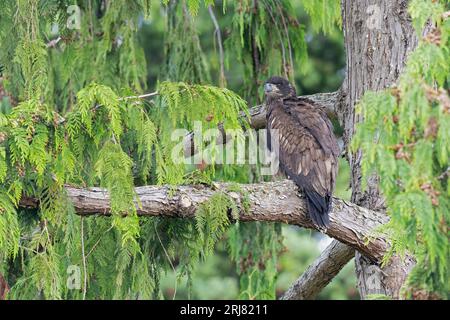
(378, 38)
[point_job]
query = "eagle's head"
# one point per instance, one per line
(278, 87)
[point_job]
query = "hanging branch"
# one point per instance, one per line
(218, 34)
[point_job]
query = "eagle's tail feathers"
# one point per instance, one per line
(318, 208)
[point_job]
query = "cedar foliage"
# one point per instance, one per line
(73, 118)
(267, 38)
(405, 139)
(56, 135)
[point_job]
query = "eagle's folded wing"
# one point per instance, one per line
(314, 118)
(301, 155)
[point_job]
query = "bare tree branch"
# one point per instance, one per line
(271, 201)
(320, 273)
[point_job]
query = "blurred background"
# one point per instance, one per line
(323, 71)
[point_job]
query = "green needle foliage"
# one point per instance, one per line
(41, 153)
(72, 117)
(405, 139)
(185, 60)
(325, 14)
(92, 130)
(266, 38)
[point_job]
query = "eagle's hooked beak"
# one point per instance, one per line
(268, 88)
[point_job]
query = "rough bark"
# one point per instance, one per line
(320, 273)
(378, 38)
(278, 201)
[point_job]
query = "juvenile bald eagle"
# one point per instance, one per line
(308, 150)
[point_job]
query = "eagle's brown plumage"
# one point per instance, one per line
(308, 150)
